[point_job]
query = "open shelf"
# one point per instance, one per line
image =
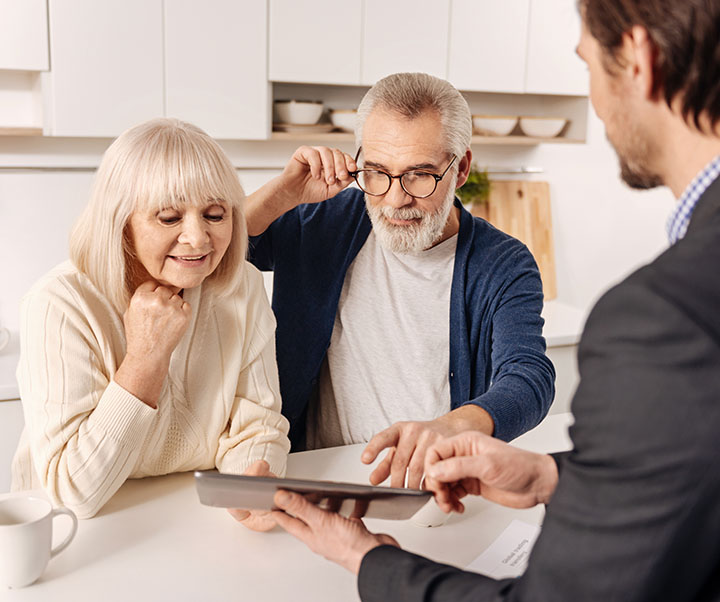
(573, 108)
(20, 131)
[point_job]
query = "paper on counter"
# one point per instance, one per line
(507, 556)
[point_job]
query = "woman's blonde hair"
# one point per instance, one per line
(162, 163)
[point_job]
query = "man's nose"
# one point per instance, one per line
(194, 232)
(396, 196)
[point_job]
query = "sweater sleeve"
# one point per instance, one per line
(522, 384)
(256, 429)
(84, 431)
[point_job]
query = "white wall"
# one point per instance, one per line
(602, 229)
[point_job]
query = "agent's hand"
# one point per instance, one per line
(317, 173)
(155, 321)
(473, 463)
(408, 442)
(255, 520)
(344, 541)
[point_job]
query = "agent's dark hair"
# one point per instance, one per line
(686, 34)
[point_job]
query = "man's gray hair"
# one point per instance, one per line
(410, 95)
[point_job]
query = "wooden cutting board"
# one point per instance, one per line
(522, 209)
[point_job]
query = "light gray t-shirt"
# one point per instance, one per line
(389, 353)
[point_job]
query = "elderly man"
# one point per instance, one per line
(633, 512)
(400, 316)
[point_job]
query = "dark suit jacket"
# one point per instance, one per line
(636, 513)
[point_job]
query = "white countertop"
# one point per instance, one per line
(563, 326)
(154, 541)
(563, 323)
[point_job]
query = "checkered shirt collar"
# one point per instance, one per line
(679, 219)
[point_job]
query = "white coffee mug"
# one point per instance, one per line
(4, 337)
(26, 524)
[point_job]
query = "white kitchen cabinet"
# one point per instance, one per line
(553, 67)
(488, 45)
(23, 35)
(107, 66)
(315, 41)
(216, 66)
(404, 35)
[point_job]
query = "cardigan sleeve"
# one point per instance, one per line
(84, 431)
(522, 381)
(260, 251)
(256, 429)
(262, 248)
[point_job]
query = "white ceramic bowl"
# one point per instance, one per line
(542, 127)
(493, 125)
(344, 119)
(303, 112)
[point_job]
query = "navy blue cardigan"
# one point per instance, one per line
(497, 351)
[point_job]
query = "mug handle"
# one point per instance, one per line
(57, 512)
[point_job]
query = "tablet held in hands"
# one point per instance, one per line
(348, 499)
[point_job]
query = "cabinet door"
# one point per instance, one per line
(23, 35)
(405, 35)
(315, 41)
(488, 45)
(216, 66)
(553, 67)
(107, 66)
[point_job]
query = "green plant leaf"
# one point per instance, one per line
(477, 187)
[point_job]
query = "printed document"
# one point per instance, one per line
(507, 556)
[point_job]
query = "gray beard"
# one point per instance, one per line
(409, 239)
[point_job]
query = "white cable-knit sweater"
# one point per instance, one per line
(85, 435)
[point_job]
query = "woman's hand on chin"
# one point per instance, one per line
(155, 321)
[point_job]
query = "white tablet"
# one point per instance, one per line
(348, 499)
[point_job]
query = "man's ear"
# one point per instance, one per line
(464, 164)
(640, 54)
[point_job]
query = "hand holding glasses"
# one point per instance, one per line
(417, 183)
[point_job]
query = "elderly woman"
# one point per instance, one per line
(152, 350)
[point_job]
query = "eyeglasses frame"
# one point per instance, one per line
(438, 178)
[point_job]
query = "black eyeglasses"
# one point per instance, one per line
(417, 183)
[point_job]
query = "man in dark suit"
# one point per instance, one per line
(633, 511)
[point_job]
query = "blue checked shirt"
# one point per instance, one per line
(678, 222)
